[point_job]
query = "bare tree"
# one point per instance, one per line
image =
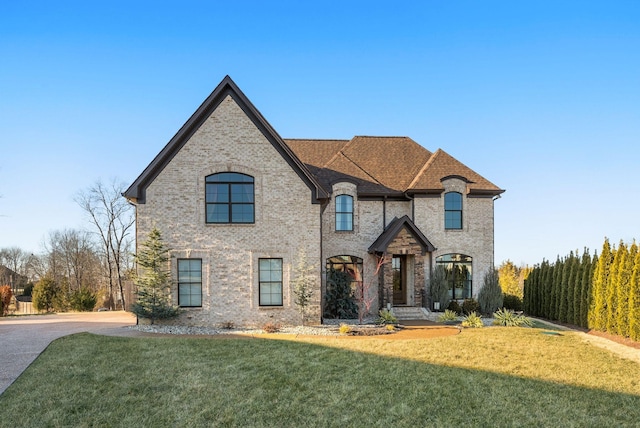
(72, 259)
(16, 260)
(113, 219)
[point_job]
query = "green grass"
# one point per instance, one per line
(482, 377)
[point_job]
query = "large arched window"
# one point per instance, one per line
(229, 198)
(453, 210)
(349, 264)
(344, 212)
(458, 274)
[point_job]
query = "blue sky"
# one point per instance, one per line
(540, 97)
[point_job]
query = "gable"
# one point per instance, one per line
(227, 88)
(394, 228)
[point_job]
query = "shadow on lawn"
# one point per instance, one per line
(95, 380)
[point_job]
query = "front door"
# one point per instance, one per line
(398, 266)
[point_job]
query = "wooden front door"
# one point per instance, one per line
(398, 267)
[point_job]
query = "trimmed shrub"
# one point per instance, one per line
(512, 302)
(455, 307)
(469, 306)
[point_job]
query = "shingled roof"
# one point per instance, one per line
(386, 166)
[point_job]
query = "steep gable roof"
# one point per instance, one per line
(397, 224)
(441, 166)
(136, 192)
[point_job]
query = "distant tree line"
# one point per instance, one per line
(597, 292)
(78, 269)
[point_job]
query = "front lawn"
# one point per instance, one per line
(484, 377)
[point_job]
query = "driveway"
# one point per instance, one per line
(23, 338)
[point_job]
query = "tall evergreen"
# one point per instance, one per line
(584, 288)
(612, 289)
(547, 302)
(598, 307)
(153, 281)
(564, 285)
(623, 286)
(556, 285)
(571, 286)
(634, 300)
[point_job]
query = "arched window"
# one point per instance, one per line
(453, 210)
(344, 212)
(458, 274)
(349, 264)
(229, 198)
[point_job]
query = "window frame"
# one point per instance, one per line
(449, 211)
(233, 183)
(270, 282)
(189, 283)
(342, 214)
(450, 262)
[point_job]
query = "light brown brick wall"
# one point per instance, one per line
(286, 222)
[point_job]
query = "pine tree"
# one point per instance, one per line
(563, 292)
(612, 289)
(634, 300)
(570, 288)
(153, 281)
(547, 294)
(598, 308)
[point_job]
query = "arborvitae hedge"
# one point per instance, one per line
(599, 292)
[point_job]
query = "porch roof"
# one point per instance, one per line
(382, 242)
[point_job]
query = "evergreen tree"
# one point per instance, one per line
(547, 291)
(622, 289)
(584, 288)
(634, 300)
(490, 297)
(340, 301)
(563, 292)
(598, 307)
(556, 287)
(612, 289)
(570, 286)
(153, 281)
(577, 286)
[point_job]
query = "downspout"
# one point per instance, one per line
(322, 209)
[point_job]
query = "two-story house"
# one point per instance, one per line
(242, 208)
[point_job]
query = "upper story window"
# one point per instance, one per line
(344, 212)
(453, 210)
(229, 198)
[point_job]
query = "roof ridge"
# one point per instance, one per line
(426, 165)
(361, 169)
(337, 153)
(316, 139)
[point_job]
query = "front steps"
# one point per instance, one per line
(410, 313)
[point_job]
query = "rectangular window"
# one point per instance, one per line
(190, 282)
(270, 282)
(344, 213)
(453, 210)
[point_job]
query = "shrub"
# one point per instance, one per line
(344, 329)
(469, 306)
(82, 300)
(45, 293)
(455, 307)
(473, 320)
(508, 318)
(227, 325)
(490, 296)
(339, 300)
(390, 327)
(512, 302)
(448, 316)
(386, 317)
(271, 327)
(28, 289)
(438, 287)
(5, 299)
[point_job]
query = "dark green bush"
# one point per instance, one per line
(455, 307)
(512, 302)
(340, 301)
(469, 306)
(82, 300)
(45, 294)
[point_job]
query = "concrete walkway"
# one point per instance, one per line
(23, 338)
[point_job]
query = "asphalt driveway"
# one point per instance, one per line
(22, 339)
